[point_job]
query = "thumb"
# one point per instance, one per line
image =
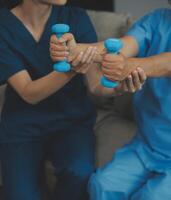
(67, 37)
(69, 40)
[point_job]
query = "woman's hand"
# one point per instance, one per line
(61, 48)
(133, 82)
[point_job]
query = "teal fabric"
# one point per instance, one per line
(19, 51)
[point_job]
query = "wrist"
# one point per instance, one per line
(71, 73)
(68, 74)
(132, 65)
(101, 51)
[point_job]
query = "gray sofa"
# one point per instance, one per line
(115, 125)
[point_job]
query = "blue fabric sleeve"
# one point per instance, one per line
(10, 64)
(143, 31)
(85, 32)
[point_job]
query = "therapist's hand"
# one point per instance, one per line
(84, 60)
(133, 82)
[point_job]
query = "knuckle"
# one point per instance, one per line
(103, 64)
(121, 67)
(82, 61)
(118, 73)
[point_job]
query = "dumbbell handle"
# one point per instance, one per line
(59, 30)
(113, 46)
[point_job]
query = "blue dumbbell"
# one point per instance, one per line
(59, 30)
(113, 46)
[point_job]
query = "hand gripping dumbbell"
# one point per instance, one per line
(113, 46)
(59, 30)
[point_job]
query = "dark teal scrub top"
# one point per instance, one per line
(19, 51)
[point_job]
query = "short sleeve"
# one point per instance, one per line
(143, 31)
(9, 62)
(85, 32)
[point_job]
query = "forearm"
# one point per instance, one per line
(154, 66)
(130, 48)
(35, 91)
(93, 80)
(48, 85)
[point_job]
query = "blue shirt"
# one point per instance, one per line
(19, 51)
(153, 103)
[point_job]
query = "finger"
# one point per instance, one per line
(76, 62)
(85, 66)
(92, 56)
(56, 59)
(108, 65)
(124, 86)
(54, 39)
(114, 58)
(111, 66)
(112, 72)
(60, 47)
(60, 53)
(67, 37)
(136, 80)
(87, 54)
(83, 69)
(72, 57)
(142, 75)
(110, 58)
(130, 84)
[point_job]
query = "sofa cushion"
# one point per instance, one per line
(112, 133)
(109, 24)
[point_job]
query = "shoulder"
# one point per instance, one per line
(158, 17)
(158, 14)
(162, 11)
(151, 20)
(164, 14)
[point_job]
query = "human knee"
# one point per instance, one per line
(100, 188)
